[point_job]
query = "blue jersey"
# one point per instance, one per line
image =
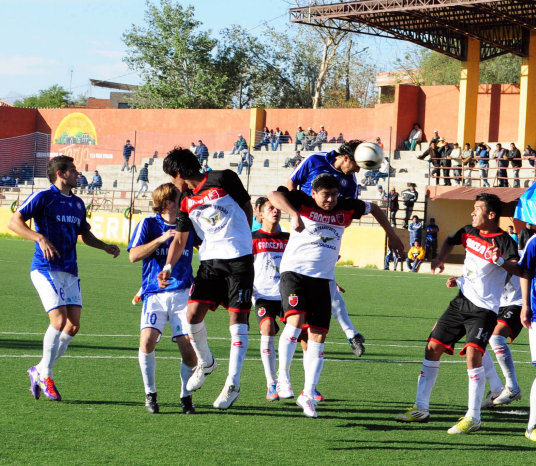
(431, 232)
(322, 162)
(146, 231)
(528, 262)
(60, 218)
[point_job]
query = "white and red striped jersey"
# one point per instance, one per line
(214, 210)
(482, 281)
(268, 251)
(315, 250)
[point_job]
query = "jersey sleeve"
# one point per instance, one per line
(509, 248)
(231, 182)
(300, 173)
(528, 258)
(295, 198)
(140, 235)
(358, 207)
(457, 238)
(183, 222)
(33, 205)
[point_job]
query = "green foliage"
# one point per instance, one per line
(53, 97)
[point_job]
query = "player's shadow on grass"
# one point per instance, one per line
(396, 317)
(103, 402)
(21, 344)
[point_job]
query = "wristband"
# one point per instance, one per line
(499, 262)
(167, 268)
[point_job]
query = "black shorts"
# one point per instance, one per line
(511, 317)
(268, 309)
(228, 282)
(301, 294)
(461, 318)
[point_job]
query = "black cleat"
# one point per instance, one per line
(151, 403)
(187, 405)
(356, 342)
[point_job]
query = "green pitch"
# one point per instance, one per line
(102, 419)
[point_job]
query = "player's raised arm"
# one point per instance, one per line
(290, 184)
(248, 210)
(280, 201)
(394, 241)
(526, 311)
(91, 240)
(142, 251)
(18, 225)
(175, 251)
(439, 261)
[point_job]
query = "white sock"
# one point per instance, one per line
(51, 341)
(287, 347)
(495, 384)
(239, 348)
(268, 358)
(425, 384)
(199, 341)
(505, 360)
(304, 360)
(65, 340)
(339, 312)
(315, 363)
(148, 370)
(186, 373)
(532, 416)
(477, 385)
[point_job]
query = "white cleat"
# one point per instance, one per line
(197, 379)
(284, 390)
(308, 404)
(507, 396)
(227, 397)
(488, 402)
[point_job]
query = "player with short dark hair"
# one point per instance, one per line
(490, 255)
(150, 242)
(308, 265)
(60, 217)
(215, 205)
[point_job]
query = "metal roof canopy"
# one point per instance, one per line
(445, 26)
(112, 85)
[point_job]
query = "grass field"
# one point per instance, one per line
(103, 419)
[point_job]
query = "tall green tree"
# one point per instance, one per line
(53, 97)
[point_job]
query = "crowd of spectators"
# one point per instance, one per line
(17, 176)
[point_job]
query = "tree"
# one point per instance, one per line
(53, 97)
(174, 59)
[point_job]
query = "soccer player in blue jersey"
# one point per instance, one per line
(341, 165)
(150, 243)
(60, 217)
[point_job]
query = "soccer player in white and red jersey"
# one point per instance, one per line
(308, 264)
(60, 217)
(490, 255)
(215, 205)
(269, 243)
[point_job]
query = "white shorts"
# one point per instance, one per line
(168, 306)
(532, 342)
(57, 288)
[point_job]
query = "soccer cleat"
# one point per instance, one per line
(151, 403)
(197, 379)
(507, 396)
(531, 434)
(271, 393)
(465, 426)
(187, 405)
(49, 389)
(308, 404)
(413, 415)
(488, 402)
(284, 390)
(318, 396)
(136, 299)
(356, 342)
(227, 397)
(35, 388)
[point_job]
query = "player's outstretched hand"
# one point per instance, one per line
(163, 279)
(526, 315)
(494, 250)
(437, 264)
(340, 289)
(451, 282)
(297, 223)
(396, 245)
(169, 234)
(112, 249)
(49, 250)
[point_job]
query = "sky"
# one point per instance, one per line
(69, 42)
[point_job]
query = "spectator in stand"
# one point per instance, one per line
(381, 196)
(512, 233)
(239, 145)
(265, 139)
(27, 173)
(15, 176)
(7, 181)
(436, 137)
(415, 230)
(340, 139)
(285, 138)
(276, 139)
(468, 162)
(500, 154)
(435, 160)
(431, 240)
(127, 152)
(445, 152)
(391, 257)
(456, 157)
(292, 162)
(201, 152)
(514, 154)
(392, 198)
(300, 138)
(414, 138)
(193, 148)
(409, 196)
(310, 138)
(482, 157)
(321, 137)
(415, 256)
(81, 182)
(524, 236)
(143, 180)
(245, 161)
(530, 155)
(372, 177)
(96, 182)
(379, 142)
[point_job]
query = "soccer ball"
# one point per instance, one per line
(368, 156)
